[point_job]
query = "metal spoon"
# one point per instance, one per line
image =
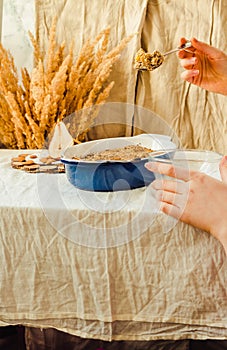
(182, 47)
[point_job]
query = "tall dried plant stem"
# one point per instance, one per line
(58, 86)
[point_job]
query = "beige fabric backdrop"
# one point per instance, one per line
(198, 117)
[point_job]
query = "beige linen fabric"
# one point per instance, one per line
(81, 20)
(99, 265)
(197, 117)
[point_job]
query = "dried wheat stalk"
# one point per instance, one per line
(58, 86)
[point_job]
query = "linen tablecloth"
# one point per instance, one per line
(104, 265)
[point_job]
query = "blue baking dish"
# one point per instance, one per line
(108, 176)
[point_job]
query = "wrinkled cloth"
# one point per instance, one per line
(104, 265)
(197, 117)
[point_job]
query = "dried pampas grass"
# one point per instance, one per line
(58, 86)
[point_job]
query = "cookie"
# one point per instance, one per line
(33, 168)
(17, 164)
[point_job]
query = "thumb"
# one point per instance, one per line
(223, 169)
(208, 50)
